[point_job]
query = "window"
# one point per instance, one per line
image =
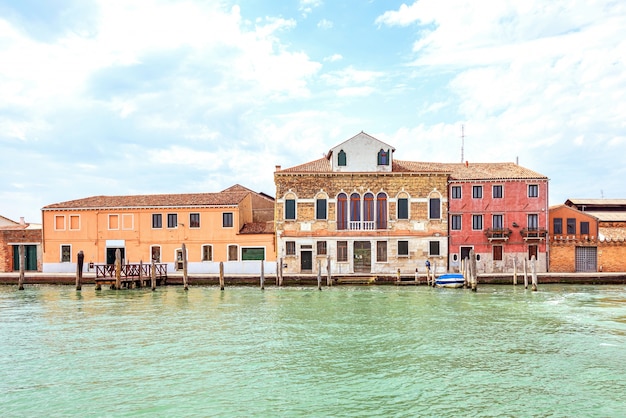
(433, 248)
(403, 208)
(383, 157)
(434, 208)
(59, 222)
(533, 190)
(455, 220)
(74, 222)
(321, 247)
(381, 251)
(403, 248)
(497, 191)
(66, 253)
(207, 253)
(341, 158)
(252, 254)
(227, 220)
(355, 207)
(533, 222)
(368, 208)
(477, 192)
(477, 222)
(114, 222)
(497, 253)
(557, 225)
(155, 253)
(342, 251)
(157, 220)
(456, 192)
(584, 228)
(232, 253)
(497, 222)
(290, 248)
(172, 220)
(290, 209)
(320, 209)
(342, 211)
(128, 220)
(571, 226)
(194, 220)
(381, 211)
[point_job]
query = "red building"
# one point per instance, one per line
(500, 210)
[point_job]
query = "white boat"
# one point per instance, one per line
(450, 280)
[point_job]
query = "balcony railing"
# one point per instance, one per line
(498, 233)
(361, 225)
(534, 233)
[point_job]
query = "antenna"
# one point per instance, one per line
(462, 142)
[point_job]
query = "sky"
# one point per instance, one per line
(118, 97)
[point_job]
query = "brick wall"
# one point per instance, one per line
(611, 255)
(16, 236)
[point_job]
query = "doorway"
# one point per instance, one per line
(465, 252)
(362, 257)
(30, 253)
(111, 255)
(306, 261)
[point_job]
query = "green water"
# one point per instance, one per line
(289, 352)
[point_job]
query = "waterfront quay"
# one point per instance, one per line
(174, 279)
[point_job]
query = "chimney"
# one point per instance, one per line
(22, 222)
(278, 168)
(466, 163)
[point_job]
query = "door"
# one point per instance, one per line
(306, 260)
(465, 252)
(362, 257)
(179, 259)
(586, 259)
(532, 251)
(111, 255)
(30, 253)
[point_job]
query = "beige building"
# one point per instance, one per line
(362, 211)
(234, 226)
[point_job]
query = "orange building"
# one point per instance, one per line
(234, 226)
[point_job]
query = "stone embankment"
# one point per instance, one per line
(311, 279)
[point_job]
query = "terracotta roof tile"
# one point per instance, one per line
(258, 228)
(318, 166)
(156, 200)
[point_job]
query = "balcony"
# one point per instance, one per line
(361, 226)
(498, 234)
(532, 234)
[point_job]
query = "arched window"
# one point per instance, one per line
(341, 158)
(342, 211)
(368, 207)
(355, 207)
(290, 206)
(383, 157)
(381, 211)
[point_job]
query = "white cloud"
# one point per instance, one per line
(325, 24)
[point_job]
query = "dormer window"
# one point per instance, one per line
(341, 158)
(383, 157)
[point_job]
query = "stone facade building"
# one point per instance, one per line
(361, 211)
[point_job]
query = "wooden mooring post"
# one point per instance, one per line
(473, 272)
(153, 275)
(221, 275)
(118, 269)
(319, 274)
(515, 271)
(184, 251)
(525, 275)
(280, 272)
(533, 272)
(80, 258)
(329, 279)
(22, 257)
(140, 282)
(262, 278)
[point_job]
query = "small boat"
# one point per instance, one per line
(450, 280)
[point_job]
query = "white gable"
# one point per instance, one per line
(361, 154)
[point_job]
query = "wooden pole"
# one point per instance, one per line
(184, 250)
(262, 276)
(515, 271)
(464, 272)
(79, 269)
(474, 273)
(153, 275)
(533, 269)
(398, 276)
(319, 274)
(140, 282)
(329, 279)
(280, 271)
(118, 269)
(22, 260)
(525, 275)
(277, 267)
(221, 275)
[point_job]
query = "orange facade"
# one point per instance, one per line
(228, 227)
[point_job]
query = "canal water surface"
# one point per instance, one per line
(288, 352)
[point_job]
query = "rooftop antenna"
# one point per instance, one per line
(462, 142)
